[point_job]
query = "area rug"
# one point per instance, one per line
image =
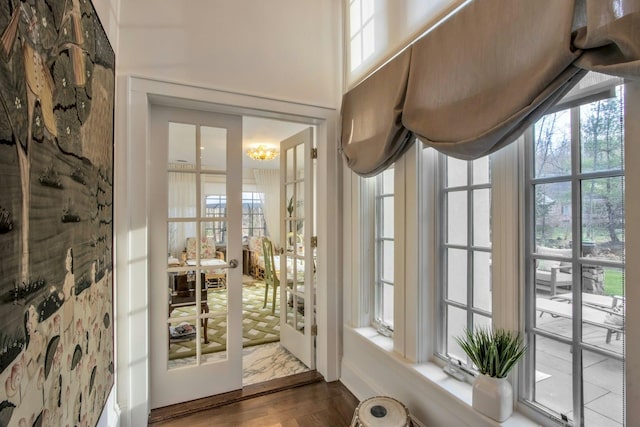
(259, 325)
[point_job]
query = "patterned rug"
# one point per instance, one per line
(259, 325)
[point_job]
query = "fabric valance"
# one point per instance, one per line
(373, 136)
(479, 79)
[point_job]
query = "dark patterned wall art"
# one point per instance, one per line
(57, 79)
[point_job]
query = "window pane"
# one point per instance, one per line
(457, 218)
(387, 304)
(368, 40)
(603, 382)
(214, 191)
(354, 17)
(387, 217)
(601, 134)
(603, 310)
(482, 280)
(603, 218)
(387, 181)
(177, 235)
(213, 148)
(456, 172)
(481, 321)
(356, 51)
(387, 261)
(367, 9)
(456, 325)
(553, 215)
(553, 378)
(300, 162)
(481, 171)
(182, 195)
(482, 217)
(554, 315)
(552, 146)
(182, 145)
(457, 275)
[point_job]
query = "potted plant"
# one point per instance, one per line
(494, 353)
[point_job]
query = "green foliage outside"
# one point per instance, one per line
(613, 282)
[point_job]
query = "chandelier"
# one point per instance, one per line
(262, 152)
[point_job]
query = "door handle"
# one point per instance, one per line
(233, 263)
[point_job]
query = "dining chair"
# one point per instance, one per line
(270, 276)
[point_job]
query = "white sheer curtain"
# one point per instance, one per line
(268, 183)
(182, 204)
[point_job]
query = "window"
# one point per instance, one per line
(253, 223)
(465, 263)
(384, 251)
(575, 290)
(361, 29)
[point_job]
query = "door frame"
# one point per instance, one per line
(132, 212)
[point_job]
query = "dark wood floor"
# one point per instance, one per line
(316, 404)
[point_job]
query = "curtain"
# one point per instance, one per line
(373, 137)
(182, 204)
(268, 183)
(479, 79)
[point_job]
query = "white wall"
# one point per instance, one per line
(108, 13)
(282, 49)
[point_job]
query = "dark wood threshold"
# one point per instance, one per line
(253, 390)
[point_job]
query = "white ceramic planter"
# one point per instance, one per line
(493, 397)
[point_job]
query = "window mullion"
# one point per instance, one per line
(470, 257)
(576, 213)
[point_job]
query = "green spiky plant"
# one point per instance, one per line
(493, 352)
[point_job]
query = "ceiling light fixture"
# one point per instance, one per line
(262, 152)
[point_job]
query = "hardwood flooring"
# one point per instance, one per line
(314, 404)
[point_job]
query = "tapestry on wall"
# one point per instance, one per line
(56, 218)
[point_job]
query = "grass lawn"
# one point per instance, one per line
(613, 281)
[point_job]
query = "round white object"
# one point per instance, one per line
(381, 412)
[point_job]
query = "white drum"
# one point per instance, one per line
(381, 411)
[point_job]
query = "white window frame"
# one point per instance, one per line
(470, 248)
(573, 177)
(385, 328)
(365, 27)
(417, 341)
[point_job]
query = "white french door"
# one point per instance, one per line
(195, 238)
(297, 238)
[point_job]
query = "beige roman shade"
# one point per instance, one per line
(479, 79)
(373, 136)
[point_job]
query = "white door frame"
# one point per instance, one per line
(131, 212)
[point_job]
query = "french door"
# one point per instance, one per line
(195, 289)
(297, 238)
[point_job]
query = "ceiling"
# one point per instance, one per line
(255, 131)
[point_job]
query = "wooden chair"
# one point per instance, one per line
(183, 293)
(270, 275)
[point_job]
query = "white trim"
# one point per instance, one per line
(131, 206)
(110, 416)
(632, 252)
(505, 244)
(399, 253)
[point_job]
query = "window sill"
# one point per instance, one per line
(433, 375)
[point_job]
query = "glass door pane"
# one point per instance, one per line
(196, 312)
